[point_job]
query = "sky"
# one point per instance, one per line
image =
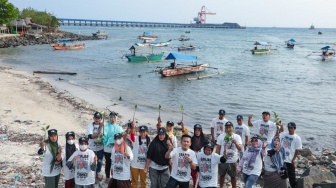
(249, 13)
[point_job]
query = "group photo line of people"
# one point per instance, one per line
(130, 155)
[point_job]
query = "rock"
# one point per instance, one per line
(308, 181)
(305, 152)
(311, 157)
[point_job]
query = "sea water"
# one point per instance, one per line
(298, 88)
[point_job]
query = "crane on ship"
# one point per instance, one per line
(201, 18)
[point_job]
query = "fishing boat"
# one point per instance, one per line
(154, 44)
(319, 33)
(327, 53)
(290, 43)
(147, 36)
(101, 35)
(265, 50)
(183, 38)
(143, 57)
(61, 41)
(312, 27)
(179, 69)
(186, 48)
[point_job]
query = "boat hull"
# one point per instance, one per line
(261, 51)
(186, 48)
(290, 45)
(73, 47)
(169, 71)
(143, 58)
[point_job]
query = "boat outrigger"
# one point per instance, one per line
(180, 69)
(265, 50)
(290, 43)
(143, 57)
(147, 36)
(62, 45)
(328, 53)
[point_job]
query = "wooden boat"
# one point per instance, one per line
(69, 47)
(328, 53)
(61, 41)
(101, 35)
(143, 57)
(183, 38)
(147, 35)
(186, 48)
(154, 44)
(265, 50)
(290, 43)
(49, 72)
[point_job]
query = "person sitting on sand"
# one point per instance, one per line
(52, 165)
(69, 148)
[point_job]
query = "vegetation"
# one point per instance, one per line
(41, 18)
(8, 12)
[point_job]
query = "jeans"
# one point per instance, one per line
(250, 180)
(173, 183)
(100, 156)
(107, 164)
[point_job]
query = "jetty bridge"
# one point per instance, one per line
(113, 23)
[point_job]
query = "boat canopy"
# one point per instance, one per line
(146, 33)
(181, 57)
(262, 43)
(64, 39)
(326, 48)
(291, 40)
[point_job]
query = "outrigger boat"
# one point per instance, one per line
(154, 44)
(101, 35)
(180, 69)
(328, 53)
(290, 43)
(186, 48)
(61, 41)
(265, 50)
(183, 38)
(62, 45)
(143, 57)
(147, 36)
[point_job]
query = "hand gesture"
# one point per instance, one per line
(264, 146)
(126, 154)
(225, 153)
(234, 141)
(43, 144)
(187, 158)
(181, 123)
(250, 116)
(159, 119)
(75, 158)
(213, 140)
(145, 170)
(170, 145)
(60, 149)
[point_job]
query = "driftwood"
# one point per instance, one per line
(47, 72)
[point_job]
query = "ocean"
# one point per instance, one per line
(298, 88)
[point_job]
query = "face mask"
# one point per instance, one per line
(119, 141)
(70, 142)
(83, 147)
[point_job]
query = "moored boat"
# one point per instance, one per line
(143, 57)
(147, 36)
(327, 53)
(100, 34)
(265, 50)
(69, 47)
(186, 48)
(290, 43)
(183, 38)
(154, 44)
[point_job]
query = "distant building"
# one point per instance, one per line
(25, 26)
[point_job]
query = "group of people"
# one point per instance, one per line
(129, 155)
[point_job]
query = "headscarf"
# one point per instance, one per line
(69, 149)
(255, 152)
(110, 130)
(197, 142)
(53, 147)
(157, 150)
(278, 157)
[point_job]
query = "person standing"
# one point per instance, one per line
(251, 162)
(292, 144)
(184, 161)
(208, 166)
(156, 163)
(266, 128)
(110, 129)
(69, 148)
(52, 165)
(84, 162)
(217, 125)
(94, 132)
(140, 154)
(229, 144)
(244, 132)
(121, 157)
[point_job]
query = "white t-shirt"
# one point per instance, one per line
(83, 173)
(290, 143)
(46, 164)
(242, 131)
(256, 168)
(68, 173)
(94, 144)
(181, 170)
(121, 165)
(208, 169)
(139, 154)
(218, 126)
(267, 130)
(231, 149)
(174, 140)
(269, 166)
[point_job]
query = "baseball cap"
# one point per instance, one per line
(266, 112)
(240, 117)
(118, 135)
(170, 123)
(71, 133)
(197, 126)
(143, 128)
(291, 124)
(162, 130)
(97, 115)
(52, 131)
(83, 139)
(221, 112)
(228, 124)
(209, 145)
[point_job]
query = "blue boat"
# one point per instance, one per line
(290, 43)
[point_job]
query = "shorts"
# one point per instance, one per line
(230, 168)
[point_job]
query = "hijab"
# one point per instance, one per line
(53, 147)
(255, 152)
(278, 157)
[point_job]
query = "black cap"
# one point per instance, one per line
(162, 130)
(71, 133)
(83, 139)
(52, 131)
(118, 135)
(209, 145)
(255, 137)
(228, 124)
(170, 123)
(240, 117)
(291, 124)
(197, 126)
(143, 128)
(97, 115)
(266, 112)
(221, 112)
(114, 114)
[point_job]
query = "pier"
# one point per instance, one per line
(113, 23)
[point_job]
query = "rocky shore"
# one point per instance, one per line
(43, 38)
(28, 103)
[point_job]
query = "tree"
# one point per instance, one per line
(8, 12)
(40, 17)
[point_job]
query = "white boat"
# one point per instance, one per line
(328, 53)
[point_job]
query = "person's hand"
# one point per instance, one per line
(234, 141)
(95, 158)
(213, 140)
(159, 119)
(225, 153)
(60, 149)
(145, 170)
(126, 155)
(264, 146)
(250, 116)
(181, 123)
(187, 157)
(170, 145)
(75, 158)
(293, 162)
(43, 145)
